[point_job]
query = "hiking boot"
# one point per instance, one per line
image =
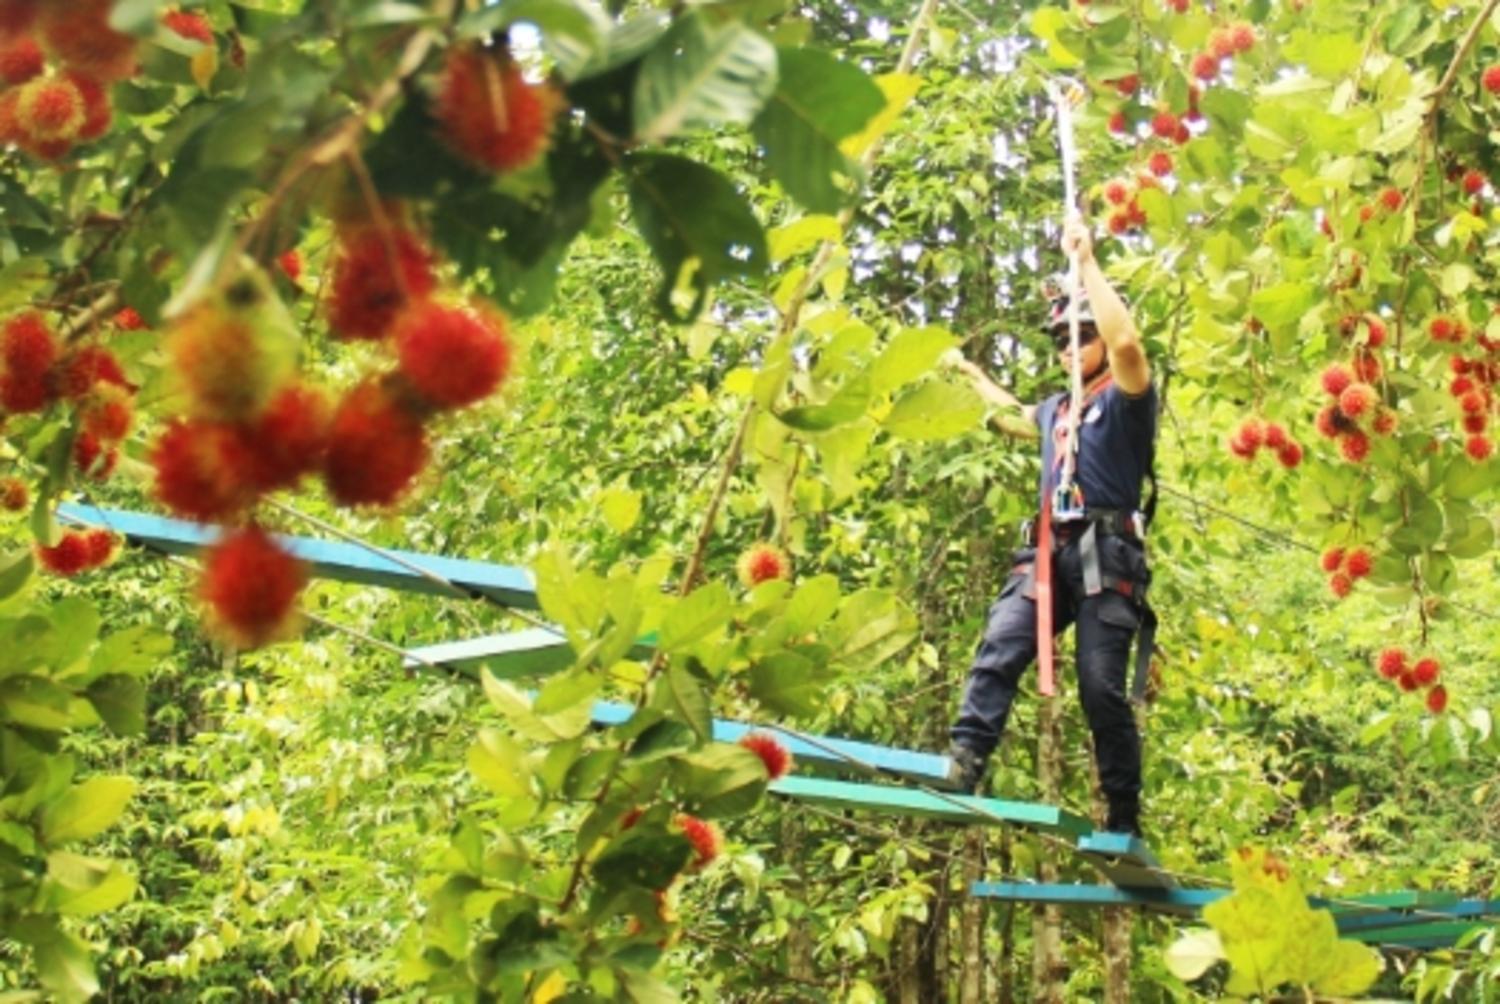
(965, 770)
(1124, 817)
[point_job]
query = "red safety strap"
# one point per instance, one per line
(1046, 679)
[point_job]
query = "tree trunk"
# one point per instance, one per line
(1007, 976)
(1048, 973)
(907, 979)
(971, 933)
(1116, 944)
(799, 949)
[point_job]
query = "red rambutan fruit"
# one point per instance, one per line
(1160, 163)
(1335, 378)
(490, 114)
(1240, 448)
(98, 112)
(1391, 198)
(1407, 682)
(1475, 423)
(290, 263)
(108, 416)
(1440, 328)
(703, 835)
(1116, 192)
(1164, 124)
(1289, 455)
(1391, 663)
(1327, 422)
(1374, 333)
(1206, 66)
(1180, 6)
(20, 60)
(451, 356)
(1385, 423)
(15, 496)
(1118, 124)
(1358, 563)
(1119, 222)
(290, 439)
(1472, 403)
(1182, 135)
(377, 272)
(50, 109)
(1479, 448)
(203, 470)
(1340, 584)
(761, 563)
(1127, 85)
(1251, 433)
(250, 585)
(1490, 79)
(78, 33)
(1333, 559)
(23, 395)
(229, 357)
(376, 448)
(1366, 367)
(87, 367)
(69, 556)
(1355, 446)
(1426, 671)
(1242, 36)
(1356, 399)
(777, 759)
(17, 16)
(1460, 386)
(27, 346)
(128, 319)
(1437, 699)
(1273, 435)
(101, 546)
(1474, 181)
(190, 25)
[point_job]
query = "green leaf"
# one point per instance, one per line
(871, 626)
(697, 225)
(1191, 955)
(571, 598)
(1465, 479)
(812, 604)
(1352, 969)
(819, 101)
(134, 651)
(702, 73)
(789, 683)
(573, 31)
(80, 886)
(678, 694)
(620, 507)
(845, 406)
(908, 356)
(695, 617)
(802, 235)
(722, 779)
(86, 810)
(516, 709)
(64, 967)
(1283, 304)
(35, 702)
(15, 571)
(1473, 539)
(640, 857)
(566, 690)
(935, 410)
(120, 700)
(500, 765)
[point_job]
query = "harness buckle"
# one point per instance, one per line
(1067, 503)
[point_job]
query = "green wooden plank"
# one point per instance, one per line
(1184, 902)
(1408, 899)
(1441, 932)
(914, 802)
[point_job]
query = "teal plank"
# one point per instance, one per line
(336, 560)
(1183, 901)
(1436, 934)
(1352, 921)
(1124, 860)
(914, 802)
(1404, 899)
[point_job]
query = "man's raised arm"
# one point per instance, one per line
(1127, 356)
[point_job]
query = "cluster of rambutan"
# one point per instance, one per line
(1473, 387)
(776, 757)
(1345, 567)
(1253, 434)
(1123, 196)
(1392, 664)
(77, 551)
(1356, 405)
(489, 113)
(57, 61)
(1388, 200)
(1223, 43)
(1165, 124)
(762, 562)
(38, 372)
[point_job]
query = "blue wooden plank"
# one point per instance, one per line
(1070, 894)
(1124, 860)
(914, 802)
(1353, 920)
(336, 560)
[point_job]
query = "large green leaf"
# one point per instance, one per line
(119, 700)
(697, 225)
(789, 683)
(86, 810)
(702, 73)
(935, 410)
(678, 694)
(819, 101)
(722, 779)
(695, 617)
(908, 356)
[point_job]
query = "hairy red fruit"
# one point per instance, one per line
(108, 416)
(128, 319)
(10, 125)
(1182, 135)
(1242, 36)
(1355, 446)
(290, 263)
(1426, 671)
(490, 114)
(1490, 79)
(1385, 423)
(1374, 333)
(22, 395)
(1437, 699)
(78, 33)
(101, 546)
(87, 367)
(1340, 584)
(1472, 402)
(1366, 367)
(1333, 559)
(1180, 6)
(1475, 423)
(1240, 448)
(1336, 378)
(15, 496)
(1274, 436)
(1365, 213)
(28, 347)
(98, 113)
(190, 25)
(250, 585)
(203, 470)
(1117, 124)
(69, 556)
(1220, 43)
(1358, 563)
(1251, 433)
(1458, 365)
(451, 356)
(230, 354)
(1407, 682)
(21, 60)
(1289, 455)
(777, 759)
(1326, 226)
(1164, 124)
(1474, 181)
(1391, 199)
(761, 563)
(1127, 85)
(1479, 448)
(631, 817)
(1206, 66)
(1116, 192)
(1460, 386)
(1160, 163)
(92, 457)
(1356, 399)
(1440, 328)
(375, 448)
(377, 272)
(290, 439)
(1391, 663)
(1327, 422)
(17, 16)
(703, 835)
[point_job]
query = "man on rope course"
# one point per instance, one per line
(1085, 552)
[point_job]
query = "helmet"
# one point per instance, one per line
(1057, 311)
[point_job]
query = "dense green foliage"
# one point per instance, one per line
(709, 355)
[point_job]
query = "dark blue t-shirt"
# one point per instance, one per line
(1118, 434)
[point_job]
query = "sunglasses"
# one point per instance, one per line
(1087, 335)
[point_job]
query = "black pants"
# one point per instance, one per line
(1106, 623)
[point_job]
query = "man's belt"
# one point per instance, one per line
(1109, 522)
